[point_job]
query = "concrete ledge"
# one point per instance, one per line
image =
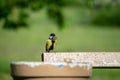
(97, 59)
(47, 71)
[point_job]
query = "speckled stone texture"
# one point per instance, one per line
(97, 59)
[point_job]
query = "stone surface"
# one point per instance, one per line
(97, 59)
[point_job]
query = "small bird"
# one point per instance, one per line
(51, 42)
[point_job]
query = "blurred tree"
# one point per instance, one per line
(14, 15)
(107, 14)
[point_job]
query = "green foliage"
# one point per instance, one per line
(108, 15)
(54, 11)
(7, 7)
(21, 3)
(55, 14)
(4, 9)
(15, 24)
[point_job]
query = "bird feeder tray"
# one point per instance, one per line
(50, 71)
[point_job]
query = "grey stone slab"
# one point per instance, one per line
(97, 59)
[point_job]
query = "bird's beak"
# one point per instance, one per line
(55, 37)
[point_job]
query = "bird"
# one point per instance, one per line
(51, 42)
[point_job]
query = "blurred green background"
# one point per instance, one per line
(81, 26)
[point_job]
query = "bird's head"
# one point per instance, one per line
(52, 36)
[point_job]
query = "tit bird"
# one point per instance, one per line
(51, 42)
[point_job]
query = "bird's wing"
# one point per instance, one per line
(55, 43)
(48, 44)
